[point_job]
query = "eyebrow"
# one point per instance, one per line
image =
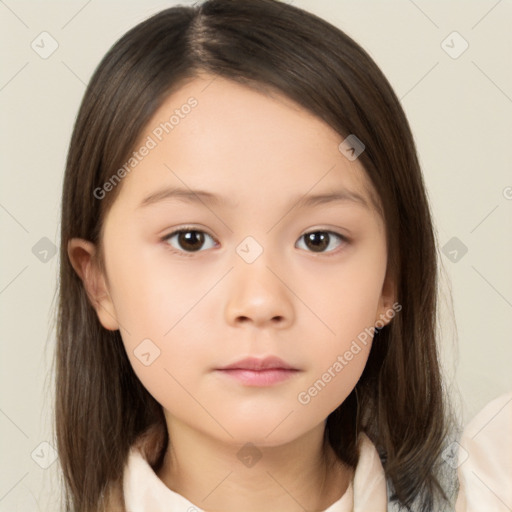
(201, 196)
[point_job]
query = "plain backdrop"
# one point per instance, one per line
(459, 104)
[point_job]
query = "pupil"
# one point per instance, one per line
(191, 240)
(319, 240)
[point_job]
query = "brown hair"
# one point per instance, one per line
(101, 406)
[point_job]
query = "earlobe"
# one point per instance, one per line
(83, 258)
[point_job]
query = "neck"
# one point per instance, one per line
(218, 476)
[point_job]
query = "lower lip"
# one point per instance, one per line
(260, 377)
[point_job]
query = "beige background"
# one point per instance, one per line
(460, 110)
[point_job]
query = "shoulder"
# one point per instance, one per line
(370, 490)
(142, 456)
(485, 459)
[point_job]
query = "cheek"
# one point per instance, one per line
(150, 296)
(165, 323)
(347, 303)
(335, 372)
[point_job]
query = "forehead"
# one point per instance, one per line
(216, 134)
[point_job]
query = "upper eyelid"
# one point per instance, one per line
(200, 230)
(186, 229)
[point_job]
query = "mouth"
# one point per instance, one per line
(252, 371)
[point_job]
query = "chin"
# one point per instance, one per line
(262, 434)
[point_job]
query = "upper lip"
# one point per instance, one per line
(254, 363)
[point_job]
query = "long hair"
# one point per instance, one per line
(101, 406)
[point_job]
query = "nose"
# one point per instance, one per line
(259, 295)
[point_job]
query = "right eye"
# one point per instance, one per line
(187, 240)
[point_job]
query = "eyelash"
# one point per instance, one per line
(344, 240)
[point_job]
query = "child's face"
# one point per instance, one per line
(254, 285)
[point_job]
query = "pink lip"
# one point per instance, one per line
(259, 377)
(252, 371)
(253, 363)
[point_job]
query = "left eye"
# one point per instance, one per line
(319, 241)
(189, 240)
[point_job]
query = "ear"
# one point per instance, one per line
(387, 308)
(83, 257)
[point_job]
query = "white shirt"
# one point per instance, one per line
(145, 492)
(485, 460)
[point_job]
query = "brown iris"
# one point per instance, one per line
(317, 241)
(191, 240)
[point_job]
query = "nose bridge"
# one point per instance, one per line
(257, 294)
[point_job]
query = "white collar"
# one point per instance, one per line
(145, 492)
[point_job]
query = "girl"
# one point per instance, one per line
(248, 276)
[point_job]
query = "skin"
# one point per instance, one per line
(209, 308)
